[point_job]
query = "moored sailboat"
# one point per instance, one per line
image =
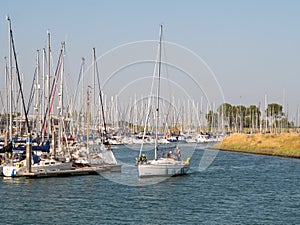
(38, 166)
(96, 153)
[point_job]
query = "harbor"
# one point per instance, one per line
(54, 134)
(149, 112)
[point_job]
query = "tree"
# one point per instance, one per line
(275, 115)
(212, 119)
(225, 113)
(253, 116)
(275, 110)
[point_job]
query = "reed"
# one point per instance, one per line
(284, 144)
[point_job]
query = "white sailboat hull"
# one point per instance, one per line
(163, 167)
(17, 170)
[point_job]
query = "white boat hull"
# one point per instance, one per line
(163, 167)
(18, 170)
(10, 171)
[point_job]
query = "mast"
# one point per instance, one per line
(82, 95)
(93, 108)
(18, 76)
(48, 82)
(37, 98)
(158, 93)
(10, 79)
(6, 95)
(151, 98)
(61, 97)
(43, 94)
(61, 94)
(100, 96)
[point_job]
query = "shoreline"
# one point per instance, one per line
(280, 145)
(253, 152)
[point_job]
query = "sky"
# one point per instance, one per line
(252, 47)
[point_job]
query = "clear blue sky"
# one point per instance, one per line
(253, 47)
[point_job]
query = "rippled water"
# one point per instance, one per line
(235, 188)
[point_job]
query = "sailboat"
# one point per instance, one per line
(107, 153)
(32, 162)
(168, 165)
(99, 154)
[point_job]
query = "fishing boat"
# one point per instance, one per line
(166, 165)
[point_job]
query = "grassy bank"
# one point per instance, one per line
(286, 144)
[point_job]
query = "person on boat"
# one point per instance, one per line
(169, 154)
(137, 161)
(177, 154)
(143, 159)
(36, 158)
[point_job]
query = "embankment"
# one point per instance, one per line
(285, 144)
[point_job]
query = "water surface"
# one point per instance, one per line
(235, 188)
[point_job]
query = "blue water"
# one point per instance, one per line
(235, 189)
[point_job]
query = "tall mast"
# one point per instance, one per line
(61, 97)
(37, 98)
(61, 94)
(6, 95)
(48, 81)
(82, 94)
(158, 93)
(10, 79)
(100, 96)
(43, 92)
(18, 76)
(93, 108)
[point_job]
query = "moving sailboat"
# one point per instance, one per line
(167, 165)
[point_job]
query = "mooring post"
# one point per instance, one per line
(6, 138)
(53, 144)
(28, 153)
